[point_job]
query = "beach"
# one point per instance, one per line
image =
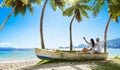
(31, 65)
(17, 64)
(17, 60)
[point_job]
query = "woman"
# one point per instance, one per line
(91, 44)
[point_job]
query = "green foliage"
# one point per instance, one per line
(42, 62)
(84, 13)
(117, 57)
(97, 6)
(68, 11)
(57, 3)
(84, 1)
(38, 2)
(21, 5)
(106, 66)
(53, 5)
(78, 9)
(9, 3)
(113, 9)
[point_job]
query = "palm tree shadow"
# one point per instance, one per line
(56, 64)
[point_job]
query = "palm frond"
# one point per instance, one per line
(68, 12)
(86, 7)
(9, 3)
(97, 6)
(16, 12)
(53, 5)
(38, 2)
(78, 15)
(84, 1)
(30, 8)
(84, 13)
(23, 10)
(114, 11)
(57, 3)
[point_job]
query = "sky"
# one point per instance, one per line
(23, 31)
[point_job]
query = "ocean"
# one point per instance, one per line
(30, 54)
(17, 55)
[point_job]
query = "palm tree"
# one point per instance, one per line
(77, 9)
(54, 4)
(18, 6)
(41, 25)
(113, 10)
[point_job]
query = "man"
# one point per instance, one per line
(98, 45)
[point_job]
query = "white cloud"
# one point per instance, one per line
(6, 44)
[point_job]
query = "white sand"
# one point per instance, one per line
(30, 65)
(17, 64)
(63, 66)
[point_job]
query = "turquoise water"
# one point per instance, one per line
(20, 55)
(113, 52)
(17, 55)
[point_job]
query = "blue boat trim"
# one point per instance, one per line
(45, 57)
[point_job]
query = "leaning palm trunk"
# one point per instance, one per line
(1, 27)
(41, 25)
(105, 34)
(71, 45)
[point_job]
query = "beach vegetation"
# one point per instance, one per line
(116, 57)
(106, 65)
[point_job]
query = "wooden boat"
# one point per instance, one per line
(68, 55)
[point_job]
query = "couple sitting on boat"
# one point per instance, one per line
(94, 47)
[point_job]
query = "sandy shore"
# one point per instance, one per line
(30, 65)
(63, 66)
(17, 64)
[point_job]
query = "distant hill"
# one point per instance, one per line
(115, 43)
(14, 49)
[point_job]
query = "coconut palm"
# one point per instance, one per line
(54, 4)
(113, 10)
(78, 9)
(18, 6)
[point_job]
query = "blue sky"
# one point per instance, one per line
(23, 32)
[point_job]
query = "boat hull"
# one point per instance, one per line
(68, 55)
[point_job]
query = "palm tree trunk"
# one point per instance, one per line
(1, 27)
(105, 34)
(41, 25)
(71, 45)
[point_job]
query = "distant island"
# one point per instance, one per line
(115, 44)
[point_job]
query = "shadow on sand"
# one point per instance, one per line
(76, 65)
(53, 65)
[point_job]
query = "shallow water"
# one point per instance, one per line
(17, 55)
(30, 54)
